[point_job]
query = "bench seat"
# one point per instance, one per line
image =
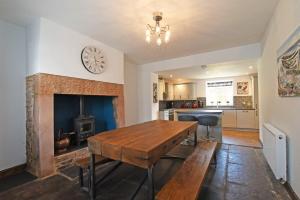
(187, 181)
(85, 162)
(84, 165)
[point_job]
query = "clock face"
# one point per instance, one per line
(93, 59)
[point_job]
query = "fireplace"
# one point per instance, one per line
(77, 117)
(43, 125)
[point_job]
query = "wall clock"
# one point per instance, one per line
(93, 59)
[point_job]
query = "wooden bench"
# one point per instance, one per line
(187, 181)
(84, 165)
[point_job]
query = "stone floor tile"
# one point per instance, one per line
(208, 193)
(241, 174)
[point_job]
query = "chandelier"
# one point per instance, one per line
(158, 32)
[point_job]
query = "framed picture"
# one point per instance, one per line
(242, 88)
(288, 63)
(154, 92)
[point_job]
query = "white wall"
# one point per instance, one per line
(130, 93)
(12, 99)
(279, 111)
(147, 109)
(201, 85)
(33, 44)
(56, 49)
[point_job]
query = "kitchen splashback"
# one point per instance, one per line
(243, 102)
(240, 102)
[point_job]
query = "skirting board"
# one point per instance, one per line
(291, 191)
(241, 129)
(12, 171)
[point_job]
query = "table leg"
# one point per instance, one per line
(150, 183)
(92, 177)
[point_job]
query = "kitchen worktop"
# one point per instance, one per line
(194, 110)
(210, 108)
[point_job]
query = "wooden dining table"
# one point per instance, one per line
(141, 145)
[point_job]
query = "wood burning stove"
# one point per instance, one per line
(84, 125)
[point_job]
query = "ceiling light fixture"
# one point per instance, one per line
(158, 31)
(250, 67)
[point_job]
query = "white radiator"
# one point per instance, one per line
(274, 149)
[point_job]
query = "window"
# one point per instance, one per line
(219, 93)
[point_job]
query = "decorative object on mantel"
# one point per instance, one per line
(93, 59)
(242, 88)
(154, 92)
(288, 62)
(158, 31)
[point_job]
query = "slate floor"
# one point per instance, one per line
(241, 173)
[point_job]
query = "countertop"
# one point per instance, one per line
(210, 108)
(194, 110)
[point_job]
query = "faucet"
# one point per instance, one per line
(218, 102)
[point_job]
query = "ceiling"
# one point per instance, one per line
(229, 69)
(196, 25)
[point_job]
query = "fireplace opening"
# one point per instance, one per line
(77, 117)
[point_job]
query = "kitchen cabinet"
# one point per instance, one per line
(170, 94)
(245, 119)
(229, 119)
(161, 89)
(184, 91)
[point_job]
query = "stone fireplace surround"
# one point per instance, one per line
(40, 90)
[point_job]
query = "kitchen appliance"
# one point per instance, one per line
(167, 114)
(171, 115)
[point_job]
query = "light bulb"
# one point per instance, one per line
(168, 33)
(158, 41)
(167, 36)
(148, 39)
(157, 29)
(147, 32)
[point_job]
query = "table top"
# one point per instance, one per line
(143, 144)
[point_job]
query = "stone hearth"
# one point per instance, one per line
(40, 89)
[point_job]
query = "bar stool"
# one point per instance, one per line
(208, 121)
(188, 118)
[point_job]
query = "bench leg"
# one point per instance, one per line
(80, 177)
(150, 183)
(89, 179)
(92, 177)
(215, 157)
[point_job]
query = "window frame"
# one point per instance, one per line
(218, 84)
